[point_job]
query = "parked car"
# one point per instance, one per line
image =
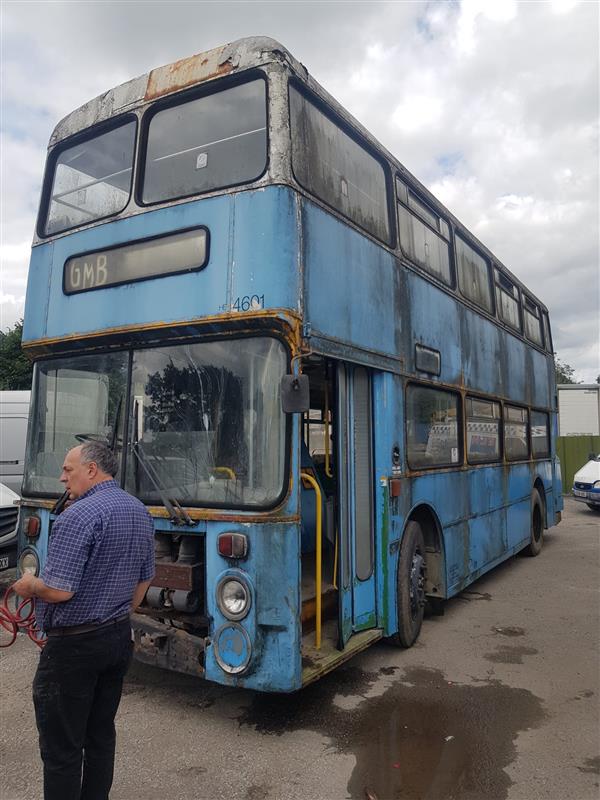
(586, 483)
(9, 514)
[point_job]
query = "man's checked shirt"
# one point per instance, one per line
(100, 548)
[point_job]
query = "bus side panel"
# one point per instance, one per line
(518, 504)
(351, 284)
(265, 250)
(487, 525)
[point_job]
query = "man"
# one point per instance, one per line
(100, 564)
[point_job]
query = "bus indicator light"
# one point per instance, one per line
(232, 545)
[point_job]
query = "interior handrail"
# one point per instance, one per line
(306, 476)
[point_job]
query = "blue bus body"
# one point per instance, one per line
(319, 283)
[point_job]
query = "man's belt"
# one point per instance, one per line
(72, 630)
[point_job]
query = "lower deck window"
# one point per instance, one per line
(432, 427)
(516, 438)
(483, 430)
(540, 436)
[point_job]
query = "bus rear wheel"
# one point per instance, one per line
(410, 586)
(536, 536)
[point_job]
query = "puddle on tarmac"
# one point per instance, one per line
(424, 738)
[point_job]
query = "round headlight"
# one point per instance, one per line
(233, 598)
(29, 562)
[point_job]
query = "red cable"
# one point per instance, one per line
(11, 621)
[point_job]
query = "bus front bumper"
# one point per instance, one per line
(170, 648)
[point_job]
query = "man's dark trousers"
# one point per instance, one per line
(76, 693)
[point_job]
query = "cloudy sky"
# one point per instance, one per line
(493, 104)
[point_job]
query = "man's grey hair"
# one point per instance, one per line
(101, 455)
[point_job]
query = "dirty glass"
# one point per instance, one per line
(432, 427)
(473, 275)
(207, 143)
(206, 423)
(332, 166)
(483, 430)
(540, 437)
(92, 179)
(516, 422)
(507, 301)
(533, 323)
(73, 400)
(424, 246)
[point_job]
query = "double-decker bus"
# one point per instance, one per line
(337, 404)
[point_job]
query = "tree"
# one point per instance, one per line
(563, 371)
(15, 368)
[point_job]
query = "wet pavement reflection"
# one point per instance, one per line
(423, 738)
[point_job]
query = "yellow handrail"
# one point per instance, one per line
(318, 557)
(229, 472)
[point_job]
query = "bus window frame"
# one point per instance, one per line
(527, 299)
(492, 310)
(460, 415)
(400, 201)
(80, 137)
(547, 331)
(130, 242)
(133, 347)
(330, 113)
(548, 453)
(527, 410)
(499, 278)
(484, 462)
(181, 98)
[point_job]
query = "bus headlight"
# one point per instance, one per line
(29, 562)
(233, 598)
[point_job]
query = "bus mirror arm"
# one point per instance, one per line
(295, 394)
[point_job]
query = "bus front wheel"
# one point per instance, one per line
(536, 536)
(410, 587)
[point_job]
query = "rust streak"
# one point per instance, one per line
(187, 72)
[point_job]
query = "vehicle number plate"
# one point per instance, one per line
(3, 562)
(579, 493)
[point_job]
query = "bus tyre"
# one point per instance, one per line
(536, 537)
(410, 587)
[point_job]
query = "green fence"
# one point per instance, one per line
(574, 452)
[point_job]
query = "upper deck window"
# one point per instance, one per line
(336, 169)
(533, 322)
(507, 300)
(206, 143)
(473, 275)
(92, 179)
(424, 235)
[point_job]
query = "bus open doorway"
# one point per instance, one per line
(337, 467)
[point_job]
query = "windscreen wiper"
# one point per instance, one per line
(177, 514)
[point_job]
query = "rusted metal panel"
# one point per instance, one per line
(189, 71)
(177, 576)
(169, 648)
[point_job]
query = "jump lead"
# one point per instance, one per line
(11, 621)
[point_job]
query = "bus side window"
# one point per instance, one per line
(507, 301)
(516, 433)
(540, 434)
(483, 430)
(424, 235)
(533, 323)
(473, 276)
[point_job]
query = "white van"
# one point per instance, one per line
(9, 515)
(14, 411)
(586, 483)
